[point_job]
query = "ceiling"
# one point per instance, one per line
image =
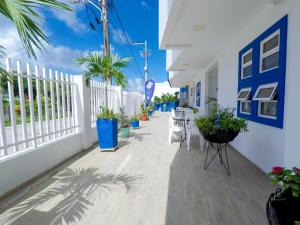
(216, 21)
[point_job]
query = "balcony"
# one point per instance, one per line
(147, 181)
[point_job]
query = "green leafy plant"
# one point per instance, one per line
(108, 68)
(222, 119)
(123, 118)
(106, 113)
(151, 107)
(143, 109)
(135, 118)
(157, 100)
(164, 98)
(195, 110)
(287, 178)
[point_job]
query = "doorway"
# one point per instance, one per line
(211, 97)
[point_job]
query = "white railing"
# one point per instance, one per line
(35, 108)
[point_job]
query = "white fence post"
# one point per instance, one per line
(83, 111)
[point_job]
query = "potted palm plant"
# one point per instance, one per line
(109, 69)
(150, 109)
(156, 103)
(283, 206)
(124, 123)
(164, 103)
(221, 126)
(135, 122)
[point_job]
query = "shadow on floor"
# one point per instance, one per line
(139, 136)
(74, 193)
(210, 197)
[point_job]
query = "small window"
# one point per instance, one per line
(269, 52)
(245, 107)
(265, 92)
(247, 64)
(244, 94)
(268, 109)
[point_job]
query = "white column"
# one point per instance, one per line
(83, 111)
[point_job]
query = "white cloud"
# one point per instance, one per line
(72, 19)
(119, 37)
(136, 84)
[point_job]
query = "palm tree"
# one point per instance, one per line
(26, 18)
(106, 67)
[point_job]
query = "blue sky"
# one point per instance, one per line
(71, 36)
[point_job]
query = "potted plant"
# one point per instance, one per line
(150, 109)
(284, 205)
(144, 115)
(135, 122)
(164, 103)
(124, 123)
(173, 101)
(108, 68)
(221, 126)
(107, 129)
(156, 103)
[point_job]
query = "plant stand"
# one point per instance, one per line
(219, 147)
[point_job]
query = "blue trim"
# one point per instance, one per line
(275, 75)
(198, 94)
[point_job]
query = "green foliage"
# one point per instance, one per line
(164, 98)
(106, 113)
(106, 67)
(195, 110)
(143, 109)
(151, 107)
(135, 118)
(157, 100)
(123, 118)
(221, 119)
(289, 179)
(26, 18)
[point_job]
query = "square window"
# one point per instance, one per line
(270, 62)
(269, 52)
(265, 92)
(271, 44)
(268, 109)
(245, 107)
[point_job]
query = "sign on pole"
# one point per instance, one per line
(149, 90)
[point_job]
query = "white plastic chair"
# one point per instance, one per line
(174, 129)
(191, 129)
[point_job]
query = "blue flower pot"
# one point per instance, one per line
(107, 134)
(125, 131)
(164, 107)
(156, 106)
(172, 105)
(135, 124)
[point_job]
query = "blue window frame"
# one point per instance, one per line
(198, 94)
(262, 68)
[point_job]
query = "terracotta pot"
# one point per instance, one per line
(144, 117)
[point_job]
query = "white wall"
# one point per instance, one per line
(264, 145)
(164, 88)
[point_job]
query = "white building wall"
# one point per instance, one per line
(264, 145)
(164, 88)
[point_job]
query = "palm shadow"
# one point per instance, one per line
(139, 136)
(76, 191)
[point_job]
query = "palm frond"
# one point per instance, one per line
(26, 19)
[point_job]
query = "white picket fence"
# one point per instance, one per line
(45, 109)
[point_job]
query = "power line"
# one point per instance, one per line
(125, 35)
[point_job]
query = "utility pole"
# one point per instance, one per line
(103, 6)
(145, 54)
